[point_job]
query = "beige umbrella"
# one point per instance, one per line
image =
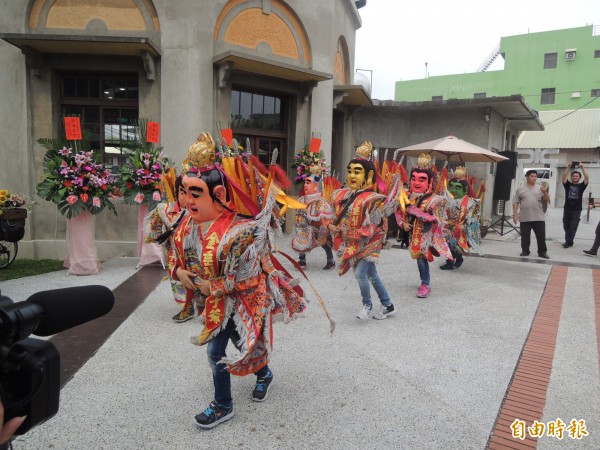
(453, 149)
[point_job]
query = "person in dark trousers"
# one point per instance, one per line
(573, 199)
(531, 199)
(594, 250)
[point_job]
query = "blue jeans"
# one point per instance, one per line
(221, 377)
(423, 266)
(364, 272)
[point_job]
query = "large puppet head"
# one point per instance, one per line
(458, 185)
(180, 192)
(421, 176)
(206, 187)
(361, 170)
(313, 184)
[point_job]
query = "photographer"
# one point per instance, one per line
(573, 199)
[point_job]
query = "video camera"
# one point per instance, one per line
(30, 368)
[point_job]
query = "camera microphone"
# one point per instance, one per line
(49, 312)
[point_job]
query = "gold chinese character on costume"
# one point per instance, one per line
(212, 241)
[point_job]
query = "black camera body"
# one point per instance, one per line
(30, 382)
(575, 164)
(30, 368)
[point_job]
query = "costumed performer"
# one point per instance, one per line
(462, 211)
(310, 229)
(159, 226)
(224, 259)
(423, 214)
(360, 228)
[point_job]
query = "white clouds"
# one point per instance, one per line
(398, 37)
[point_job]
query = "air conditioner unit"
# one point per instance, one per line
(575, 94)
(570, 54)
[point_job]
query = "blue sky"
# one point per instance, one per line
(398, 37)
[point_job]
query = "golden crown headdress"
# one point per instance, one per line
(200, 154)
(364, 150)
(424, 161)
(460, 172)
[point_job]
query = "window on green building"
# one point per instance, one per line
(437, 98)
(479, 95)
(550, 61)
(547, 96)
(595, 93)
(596, 53)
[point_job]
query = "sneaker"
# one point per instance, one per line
(213, 415)
(524, 254)
(567, 245)
(385, 311)
(458, 262)
(424, 291)
(330, 264)
(543, 255)
(448, 266)
(365, 312)
(185, 314)
(590, 252)
(261, 390)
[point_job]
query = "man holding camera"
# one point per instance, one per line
(573, 199)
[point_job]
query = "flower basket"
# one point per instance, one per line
(13, 214)
(12, 224)
(304, 161)
(75, 180)
(139, 182)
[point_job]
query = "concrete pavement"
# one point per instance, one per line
(436, 375)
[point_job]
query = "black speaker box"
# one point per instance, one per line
(505, 173)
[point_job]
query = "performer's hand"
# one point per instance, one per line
(187, 278)
(333, 228)
(205, 287)
(406, 226)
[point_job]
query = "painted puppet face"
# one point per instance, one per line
(182, 197)
(200, 204)
(419, 182)
(457, 189)
(311, 186)
(356, 177)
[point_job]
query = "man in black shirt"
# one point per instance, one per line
(573, 200)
